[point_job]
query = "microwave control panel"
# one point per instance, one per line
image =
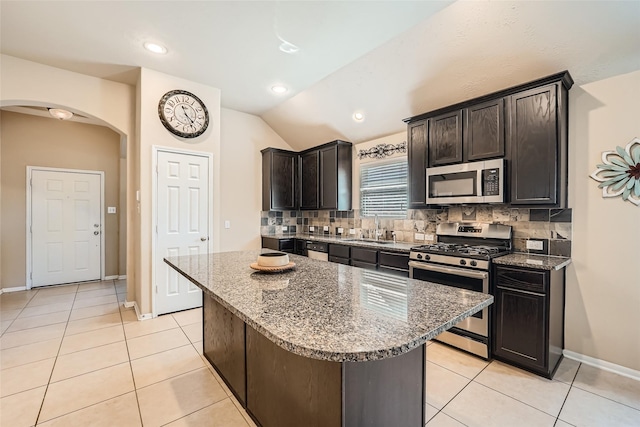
(491, 182)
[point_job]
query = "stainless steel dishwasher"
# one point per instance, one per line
(317, 250)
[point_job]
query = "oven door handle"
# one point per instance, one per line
(450, 270)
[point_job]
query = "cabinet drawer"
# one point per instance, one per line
(339, 251)
(361, 264)
(365, 255)
(527, 280)
(339, 260)
(394, 260)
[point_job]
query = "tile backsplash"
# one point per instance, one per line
(551, 226)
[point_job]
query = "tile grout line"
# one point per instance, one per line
(133, 378)
(14, 319)
(44, 396)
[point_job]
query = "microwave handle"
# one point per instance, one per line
(479, 181)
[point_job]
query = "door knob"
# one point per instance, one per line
(96, 225)
(203, 239)
(96, 233)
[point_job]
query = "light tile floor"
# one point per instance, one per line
(74, 356)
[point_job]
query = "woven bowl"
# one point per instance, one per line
(273, 259)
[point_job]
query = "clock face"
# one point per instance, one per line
(183, 114)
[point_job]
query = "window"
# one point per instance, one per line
(383, 188)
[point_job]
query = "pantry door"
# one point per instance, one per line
(182, 200)
(65, 226)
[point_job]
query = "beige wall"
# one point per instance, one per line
(113, 104)
(37, 141)
(152, 85)
(242, 137)
(603, 285)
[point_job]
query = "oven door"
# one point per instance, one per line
(462, 278)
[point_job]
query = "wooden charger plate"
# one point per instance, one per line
(276, 269)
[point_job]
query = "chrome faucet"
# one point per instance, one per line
(377, 223)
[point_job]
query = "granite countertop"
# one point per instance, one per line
(330, 311)
(350, 241)
(540, 262)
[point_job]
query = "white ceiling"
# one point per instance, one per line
(389, 59)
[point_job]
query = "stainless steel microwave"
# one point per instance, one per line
(476, 182)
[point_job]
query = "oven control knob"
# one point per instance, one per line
(419, 256)
(427, 257)
(463, 262)
(473, 263)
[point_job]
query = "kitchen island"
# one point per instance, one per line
(323, 344)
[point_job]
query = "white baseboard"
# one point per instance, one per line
(123, 277)
(114, 277)
(134, 304)
(603, 364)
(15, 289)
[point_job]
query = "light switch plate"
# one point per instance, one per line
(419, 236)
(285, 228)
(352, 231)
(111, 209)
(227, 224)
(536, 245)
(429, 237)
(312, 228)
(325, 228)
(340, 230)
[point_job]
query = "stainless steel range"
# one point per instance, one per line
(462, 258)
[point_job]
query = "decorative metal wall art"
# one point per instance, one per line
(381, 151)
(619, 173)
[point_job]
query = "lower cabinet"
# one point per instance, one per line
(339, 253)
(278, 244)
(529, 318)
(364, 258)
(394, 263)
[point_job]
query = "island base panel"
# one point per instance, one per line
(287, 390)
(386, 392)
(224, 345)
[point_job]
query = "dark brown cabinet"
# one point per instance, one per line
(309, 179)
(278, 244)
(325, 177)
(445, 138)
(538, 146)
(417, 158)
(394, 263)
(364, 258)
(279, 170)
(484, 131)
(529, 318)
(340, 254)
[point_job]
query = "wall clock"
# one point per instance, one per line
(183, 114)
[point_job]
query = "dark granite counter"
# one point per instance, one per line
(540, 262)
(350, 241)
(330, 311)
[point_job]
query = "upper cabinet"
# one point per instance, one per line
(278, 179)
(309, 179)
(525, 124)
(417, 156)
(319, 178)
(445, 139)
(538, 147)
(326, 174)
(484, 131)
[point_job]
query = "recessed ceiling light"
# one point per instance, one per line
(287, 47)
(279, 88)
(60, 114)
(358, 116)
(155, 48)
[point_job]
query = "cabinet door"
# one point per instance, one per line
(417, 157)
(445, 139)
(521, 317)
(309, 180)
(329, 178)
(533, 139)
(283, 172)
(484, 131)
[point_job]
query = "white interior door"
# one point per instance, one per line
(65, 227)
(182, 226)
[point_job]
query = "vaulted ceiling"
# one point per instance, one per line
(387, 59)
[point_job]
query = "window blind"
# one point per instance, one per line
(383, 188)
